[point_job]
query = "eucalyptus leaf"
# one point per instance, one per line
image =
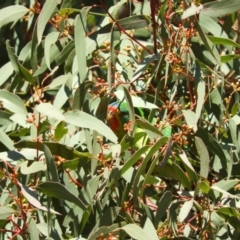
(12, 14)
(84, 120)
(59, 191)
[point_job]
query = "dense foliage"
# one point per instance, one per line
(173, 171)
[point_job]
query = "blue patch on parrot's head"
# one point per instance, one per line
(121, 108)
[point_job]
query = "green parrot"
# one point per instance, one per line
(118, 116)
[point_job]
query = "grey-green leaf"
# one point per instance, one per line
(31, 196)
(84, 120)
(12, 102)
(220, 8)
(6, 140)
(80, 45)
(49, 40)
(203, 155)
(50, 164)
(59, 191)
(47, 11)
(12, 13)
(6, 212)
(136, 232)
(185, 209)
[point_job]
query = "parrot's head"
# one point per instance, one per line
(117, 116)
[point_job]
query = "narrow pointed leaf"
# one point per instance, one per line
(220, 8)
(136, 232)
(163, 205)
(6, 212)
(5, 72)
(50, 164)
(12, 14)
(49, 110)
(49, 40)
(55, 148)
(80, 45)
(84, 120)
(185, 209)
(59, 191)
(204, 157)
(31, 196)
(150, 230)
(6, 140)
(46, 13)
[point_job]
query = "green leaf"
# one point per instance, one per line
(105, 231)
(228, 58)
(234, 132)
(225, 193)
(33, 168)
(163, 205)
(46, 13)
(234, 109)
(223, 41)
(6, 140)
(193, 10)
(136, 101)
(203, 186)
(129, 106)
(67, 4)
(191, 119)
(145, 161)
(220, 8)
(84, 120)
(6, 212)
(150, 230)
(212, 145)
(185, 209)
(12, 14)
(50, 164)
(59, 191)
(55, 148)
(143, 65)
(228, 211)
(181, 176)
(49, 40)
(212, 26)
(149, 174)
(185, 160)
(18, 68)
(80, 46)
(136, 232)
(60, 131)
(62, 56)
(200, 98)
(132, 22)
(204, 157)
(33, 230)
(106, 219)
(147, 126)
(208, 44)
(59, 81)
(5, 72)
(227, 184)
(135, 157)
(31, 196)
(50, 111)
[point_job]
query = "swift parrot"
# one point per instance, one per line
(117, 116)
